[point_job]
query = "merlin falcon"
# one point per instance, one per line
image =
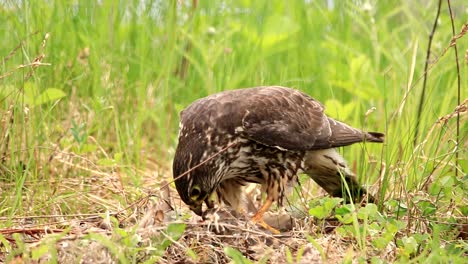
(265, 135)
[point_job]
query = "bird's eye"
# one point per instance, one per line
(195, 193)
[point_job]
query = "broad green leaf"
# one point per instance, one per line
(49, 95)
(174, 231)
(345, 218)
(368, 212)
(319, 212)
(331, 203)
(33, 97)
(342, 210)
(410, 245)
(380, 242)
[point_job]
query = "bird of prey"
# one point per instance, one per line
(265, 135)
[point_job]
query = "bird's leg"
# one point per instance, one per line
(258, 217)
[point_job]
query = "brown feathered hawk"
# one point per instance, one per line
(265, 135)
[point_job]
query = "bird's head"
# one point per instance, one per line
(194, 189)
(195, 179)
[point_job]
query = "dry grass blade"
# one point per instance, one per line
(13, 52)
(37, 61)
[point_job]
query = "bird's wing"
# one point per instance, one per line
(274, 116)
(284, 118)
(290, 119)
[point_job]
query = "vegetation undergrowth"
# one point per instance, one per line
(90, 93)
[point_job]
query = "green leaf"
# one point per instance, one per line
(345, 213)
(325, 208)
(106, 162)
(377, 260)
(87, 148)
(427, 208)
(345, 219)
(410, 245)
(49, 95)
(464, 210)
(380, 242)
(174, 231)
(394, 225)
(421, 238)
(118, 157)
(398, 207)
(319, 212)
(343, 210)
(331, 203)
(370, 211)
(236, 256)
(192, 254)
(33, 97)
(39, 252)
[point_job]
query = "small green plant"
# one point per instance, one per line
(236, 256)
(79, 133)
(324, 208)
(33, 97)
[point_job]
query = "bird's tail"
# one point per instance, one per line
(375, 137)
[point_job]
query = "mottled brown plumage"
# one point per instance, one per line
(266, 135)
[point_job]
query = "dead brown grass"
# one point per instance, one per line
(148, 216)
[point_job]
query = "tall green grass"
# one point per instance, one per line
(120, 71)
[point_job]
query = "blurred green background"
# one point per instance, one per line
(115, 74)
(90, 93)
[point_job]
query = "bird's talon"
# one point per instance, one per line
(263, 224)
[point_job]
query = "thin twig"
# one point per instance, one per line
(200, 164)
(426, 65)
(458, 86)
(51, 216)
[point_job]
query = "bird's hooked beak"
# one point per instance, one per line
(209, 201)
(197, 208)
